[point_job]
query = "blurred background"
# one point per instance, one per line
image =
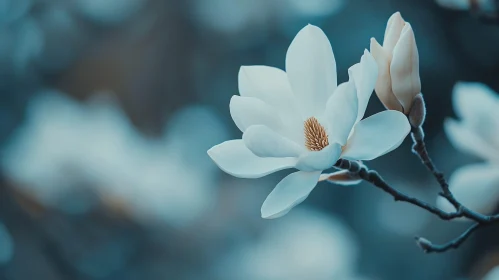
(107, 108)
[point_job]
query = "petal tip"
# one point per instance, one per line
(396, 16)
(210, 152)
(312, 29)
(269, 215)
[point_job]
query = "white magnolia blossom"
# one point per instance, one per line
(398, 63)
(301, 119)
(477, 133)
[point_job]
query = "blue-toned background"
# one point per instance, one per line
(107, 108)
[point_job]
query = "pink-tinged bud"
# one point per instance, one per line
(404, 69)
(398, 65)
(417, 114)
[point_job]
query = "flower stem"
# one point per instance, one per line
(419, 149)
(373, 177)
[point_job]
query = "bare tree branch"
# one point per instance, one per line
(429, 247)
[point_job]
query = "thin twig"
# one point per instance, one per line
(374, 178)
(429, 247)
(419, 149)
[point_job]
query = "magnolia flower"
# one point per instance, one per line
(475, 185)
(301, 119)
(398, 63)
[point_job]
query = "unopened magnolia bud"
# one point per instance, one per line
(417, 114)
(398, 65)
(404, 68)
(392, 32)
(383, 85)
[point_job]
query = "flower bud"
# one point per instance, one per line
(383, 85)
(404, 69)
(398, 65)
(418, 111)
(392, 32)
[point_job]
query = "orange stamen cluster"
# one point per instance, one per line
(315, 135)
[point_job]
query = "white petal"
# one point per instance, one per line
(365, 75)
(342, 177)
(392, 32)
(319, 160)
(476, 186)
(237, 160)
(271, 85)
(384, 82)
(465, 139)
(264, 142)
(268, 84)
(377, 135)
(291, 191)
(341, 113)
(248, 111)
(404, 69)
(311, 69)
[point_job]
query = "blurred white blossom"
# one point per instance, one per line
(306, 244)
(302, 119)
(65, 145)
(493, 274)
(477, 133)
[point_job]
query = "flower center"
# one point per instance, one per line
(315, 135)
